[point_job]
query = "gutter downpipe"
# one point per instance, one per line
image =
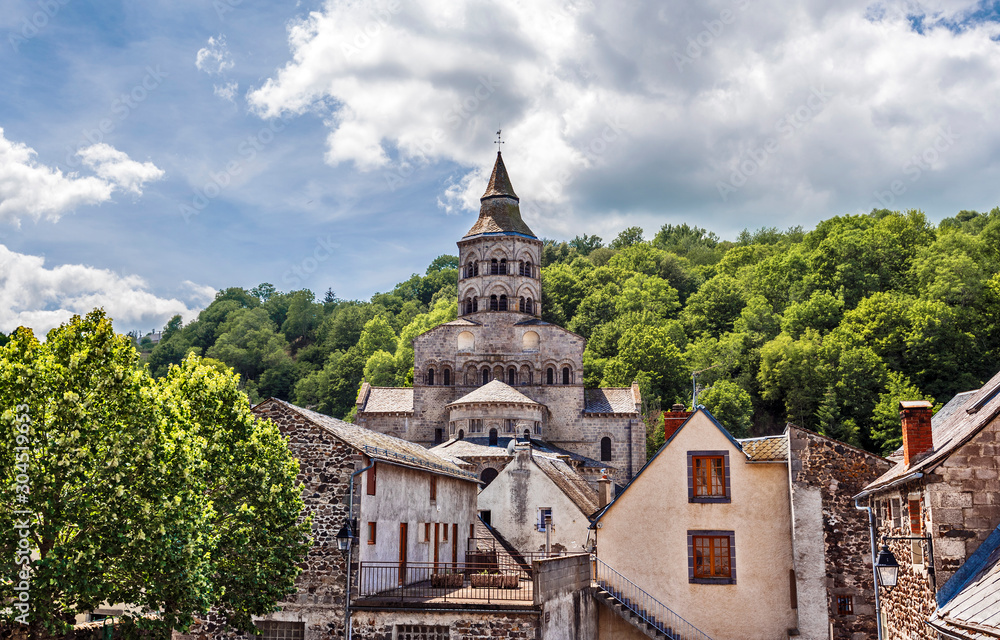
(872, 533)
(350, 552)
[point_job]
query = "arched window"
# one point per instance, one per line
(605, 449)
(475, 268)
(503, 266)
(528, 271)
(493, 437)
(430, 376)
(494, 303)
(486, 375)
(529, 342)
(466, 341)
(469, 270)
(511, 376)
(468, 305)
(565, 375)
(494, 267)
(461, 434)
(520, 304)
(520, 268)
(550, 376)
(488, 475)
(475, 304)
(529, 307)
(447, 377)
(503, 302)
(527, 435)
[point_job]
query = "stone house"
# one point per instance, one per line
(499, 369)
(534, 485)
(945, 487)
(970, 601)
(753, 538)
(411, 509)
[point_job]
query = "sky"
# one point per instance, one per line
(154, 152)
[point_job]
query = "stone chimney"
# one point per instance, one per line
(603, 491)
(673, 419)
(917, 437)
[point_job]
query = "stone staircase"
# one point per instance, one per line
(639, 608)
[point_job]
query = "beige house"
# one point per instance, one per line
(748, 539)
(534, 485)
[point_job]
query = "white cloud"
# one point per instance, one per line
(648, 108)
(41, 298)
(214, 58)
(32, 190)
(227, 91)
(117, 168)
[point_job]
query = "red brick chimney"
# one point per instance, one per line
(673, 419)
(917, 438)
(604, 496)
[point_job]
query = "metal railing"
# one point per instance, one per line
(651, 610)
(498, 579)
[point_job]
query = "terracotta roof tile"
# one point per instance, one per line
(609, 400)
(766, 449)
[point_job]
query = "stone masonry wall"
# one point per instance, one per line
(325, 467)
(461, 625)
(839, 472)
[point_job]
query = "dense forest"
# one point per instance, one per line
(828, 328)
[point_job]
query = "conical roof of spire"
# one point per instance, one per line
(499, 211)
(499, 182)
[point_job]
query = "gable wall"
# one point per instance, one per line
(644, 537)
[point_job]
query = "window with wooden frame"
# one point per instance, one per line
(371, 533)
(434, 489)
(708, 476)
(916, 524)
(895, 513)
(711, 557)
(370, 477)
(444, 533)
(845, 605)
(424, 533)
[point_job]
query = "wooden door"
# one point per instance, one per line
(402, 553)
(437, 542)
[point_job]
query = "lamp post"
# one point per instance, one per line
(345, 543)
(887, 568)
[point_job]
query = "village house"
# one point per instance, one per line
(499, 370)
(934, 511)
(539, 503)
(755, 538)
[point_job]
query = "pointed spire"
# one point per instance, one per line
(499, 182)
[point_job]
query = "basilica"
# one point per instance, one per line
(500, 373)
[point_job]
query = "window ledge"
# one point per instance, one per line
(710, 499)
(712, 580)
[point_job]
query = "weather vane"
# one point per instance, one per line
(498, 141)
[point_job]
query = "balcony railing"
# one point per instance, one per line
(498, 579)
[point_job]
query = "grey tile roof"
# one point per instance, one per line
(609, 400)
(766, 449)
(943, 414)
(472, 448)
(494, 391)
(389, 400)
(974, 612)
(380, 446)
(569, 481)
(953, 431)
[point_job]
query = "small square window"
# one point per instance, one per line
(275, 630)
(711, 557)
(420, 632)
(543, 513)
(845, 605)
(371, 533)
(708, 476)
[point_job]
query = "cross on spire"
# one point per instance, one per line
(498, 141)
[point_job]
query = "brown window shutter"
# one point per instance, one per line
(370, 474)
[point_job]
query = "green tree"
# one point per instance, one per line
(650, 351)
(887, 430)
(730, 405)
(627, 238)
(377, 335)
(205, 505)
(380, 369)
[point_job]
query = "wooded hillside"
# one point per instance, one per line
(828, 329)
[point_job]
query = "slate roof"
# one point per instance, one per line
(389, 400)
(569, 481)
(943, 414)
(493, 391)
(766, 449)
(973, 606)
(499, 184)
(609, 400)
(962, 422)
(380, 446)
(479, 447)
(499, 212)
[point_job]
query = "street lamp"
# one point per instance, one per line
(345, 542)
(345, 538)
(887, 567)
